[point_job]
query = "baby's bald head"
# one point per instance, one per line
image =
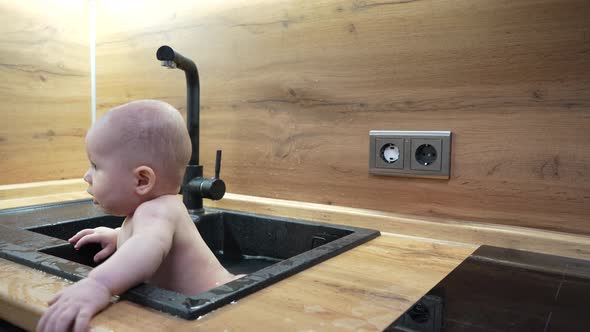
(145, 132)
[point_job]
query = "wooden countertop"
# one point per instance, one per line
(366, 288)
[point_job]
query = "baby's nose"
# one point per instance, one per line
(87, 177)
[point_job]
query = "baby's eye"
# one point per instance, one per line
(93, 165)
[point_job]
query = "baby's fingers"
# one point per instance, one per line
(64, 319)
(54, 298)
(92, 238)
(82, 321)
(80, 234)
(104, 253)
(43, 323)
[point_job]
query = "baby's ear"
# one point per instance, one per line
(145, 180)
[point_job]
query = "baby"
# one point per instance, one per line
(138, 153)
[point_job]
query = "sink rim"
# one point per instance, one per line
(184, 306)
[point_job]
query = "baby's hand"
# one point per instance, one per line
(74, 306)
(107, 237)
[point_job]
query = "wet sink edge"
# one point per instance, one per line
(188, 307)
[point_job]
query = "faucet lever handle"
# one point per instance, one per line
(217, 164)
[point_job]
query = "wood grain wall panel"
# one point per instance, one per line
(290, 90)
(44, 90)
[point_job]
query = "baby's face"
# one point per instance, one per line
(110, 180)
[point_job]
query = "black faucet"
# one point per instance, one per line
(194, 186)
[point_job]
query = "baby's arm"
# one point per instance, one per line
(141, 255)
(134, 262)
(107, 237)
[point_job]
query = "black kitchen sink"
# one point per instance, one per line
(266, 248)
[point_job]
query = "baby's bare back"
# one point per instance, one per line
(189, 267)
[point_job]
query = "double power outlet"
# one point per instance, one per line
(410, 153)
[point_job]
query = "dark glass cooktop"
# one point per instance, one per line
(499, 289)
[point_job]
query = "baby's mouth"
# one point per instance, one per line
(94, 201)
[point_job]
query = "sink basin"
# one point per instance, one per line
(266, 248)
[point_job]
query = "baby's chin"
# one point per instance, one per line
(99, 206)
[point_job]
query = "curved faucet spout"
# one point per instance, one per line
(194, 186)
(170, 58)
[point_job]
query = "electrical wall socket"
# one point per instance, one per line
(410, 153)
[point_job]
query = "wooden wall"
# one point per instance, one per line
(290, 90)
(44, 90)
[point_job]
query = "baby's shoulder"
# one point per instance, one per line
(162, 207)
